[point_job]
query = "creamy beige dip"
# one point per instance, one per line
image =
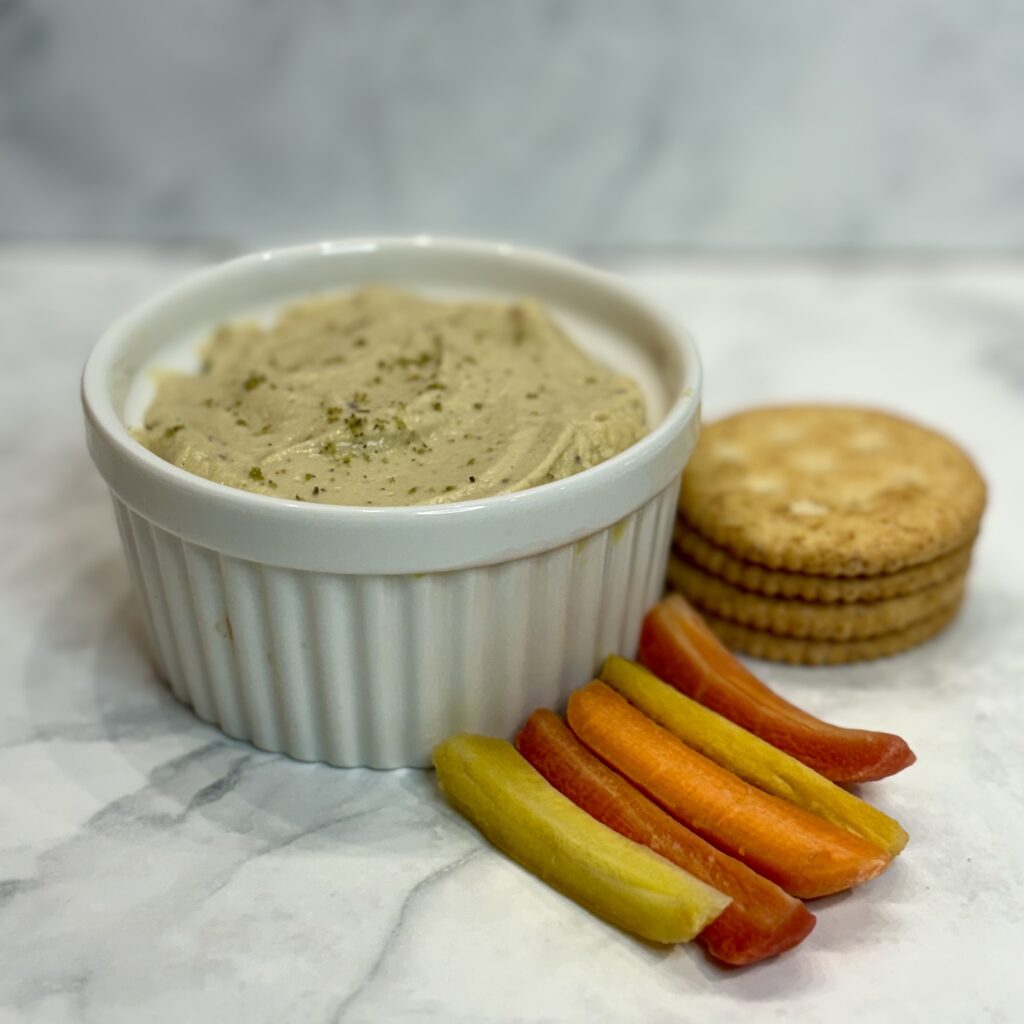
(385, 398)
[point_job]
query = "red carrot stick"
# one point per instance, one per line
(761, 921)
(677, 646)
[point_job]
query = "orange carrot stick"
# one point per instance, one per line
(677, 646)
(761, 921)
(803, 853)
(749, 756)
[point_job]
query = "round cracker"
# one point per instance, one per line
(830, 490)
(806, 619)
(828, 589)
(828, 652)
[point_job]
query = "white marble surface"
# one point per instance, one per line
(583, 123)
(152, 870)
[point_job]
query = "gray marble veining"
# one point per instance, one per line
(151, 869)
(591, 124)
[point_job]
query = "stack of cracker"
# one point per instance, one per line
(820, 535)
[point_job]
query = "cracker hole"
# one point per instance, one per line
(727, 452)
(869, 441)
(905, 476)
(758, 483)
(814, 460)
(783, 433)
(806, 507)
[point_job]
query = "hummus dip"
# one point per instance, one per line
(380, 397)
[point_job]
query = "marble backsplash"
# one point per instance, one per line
(588, 124)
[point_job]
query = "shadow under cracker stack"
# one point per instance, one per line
(825, 534)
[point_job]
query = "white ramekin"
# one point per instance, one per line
(364, 636)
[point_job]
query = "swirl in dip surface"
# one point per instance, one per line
(382, 397)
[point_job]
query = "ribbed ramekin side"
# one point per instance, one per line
(215, 635)
(647, 573)
(131, 553)
(290, 655)
(380, 691)
(351, 684)
(664, 511)
(150, 584)
(249, 634)
(375, 670)
(449, 656)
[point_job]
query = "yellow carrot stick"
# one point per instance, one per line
(750, 757)
(527, 818)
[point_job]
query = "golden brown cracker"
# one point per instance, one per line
(808, 619)
(830, 490)
(718, 562)
(828, 652)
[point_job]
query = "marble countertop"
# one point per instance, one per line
(151, 869)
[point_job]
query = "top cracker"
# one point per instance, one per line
(830, 490)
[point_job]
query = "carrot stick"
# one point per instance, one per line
(749, 756)
(761, 921)
(528, 819)
(803, 853)
(679, 648)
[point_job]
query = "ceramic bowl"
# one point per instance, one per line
(364, 636)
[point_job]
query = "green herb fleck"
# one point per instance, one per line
(254, 380)
(171, 431)
(255, 473)
(438, 407)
